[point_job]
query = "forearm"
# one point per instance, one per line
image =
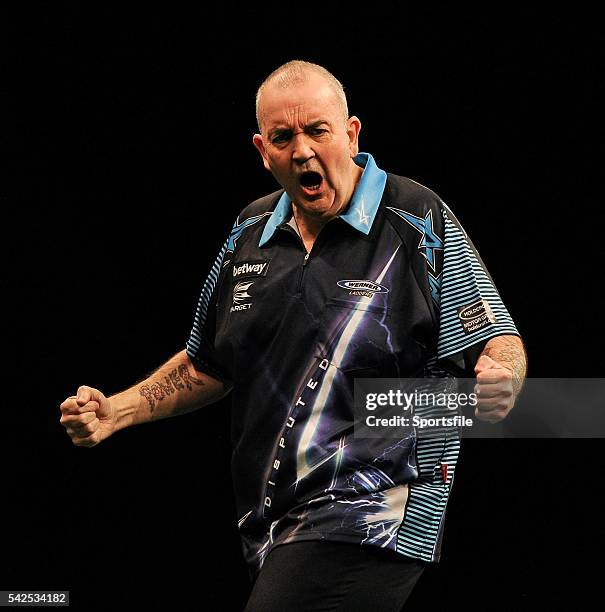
(174, 388)
(509, 352)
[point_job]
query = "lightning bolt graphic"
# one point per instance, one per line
(383, 516)
(303, 467)
(243, 519)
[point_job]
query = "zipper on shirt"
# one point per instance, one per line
(320, 237)
(302, 273)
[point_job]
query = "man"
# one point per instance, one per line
(345, 273)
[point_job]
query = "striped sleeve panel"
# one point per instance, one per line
(420, 533)
(194, 343)
(471, 310)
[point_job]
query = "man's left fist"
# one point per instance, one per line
(494, 389)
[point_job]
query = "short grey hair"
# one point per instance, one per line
(296, 72)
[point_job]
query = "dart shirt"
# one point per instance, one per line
(391, 288)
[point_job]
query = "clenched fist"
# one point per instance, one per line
(495, 390)
(87, 417)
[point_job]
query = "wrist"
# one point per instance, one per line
(124, 408)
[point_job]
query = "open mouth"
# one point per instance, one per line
(311, 181)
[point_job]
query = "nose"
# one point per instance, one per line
(302, 151)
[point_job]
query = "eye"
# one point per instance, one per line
(280, 137)
(317, 131)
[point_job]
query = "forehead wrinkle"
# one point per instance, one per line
(324, 96)
(299, 73)
(290, 115)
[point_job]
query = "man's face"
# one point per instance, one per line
(308, 146)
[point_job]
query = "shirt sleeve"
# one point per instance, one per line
(200, 345)
(471, 310)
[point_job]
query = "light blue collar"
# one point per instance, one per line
(361, 211)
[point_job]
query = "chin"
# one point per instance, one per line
(318, 208)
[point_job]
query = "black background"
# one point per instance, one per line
(132, 156)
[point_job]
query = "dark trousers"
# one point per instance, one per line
(320, 575)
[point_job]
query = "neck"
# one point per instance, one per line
(309, 226)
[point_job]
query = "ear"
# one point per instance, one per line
(257, 141)
(353, 129)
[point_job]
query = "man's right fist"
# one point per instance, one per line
(87, 417)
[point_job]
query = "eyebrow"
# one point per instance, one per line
(313, 124)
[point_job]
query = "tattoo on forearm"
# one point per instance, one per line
(510, 353)
(177, 379)
(187, 378)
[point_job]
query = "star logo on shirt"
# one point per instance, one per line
(429, 241)
(238, 229)
(435, 285)
(361, 211)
